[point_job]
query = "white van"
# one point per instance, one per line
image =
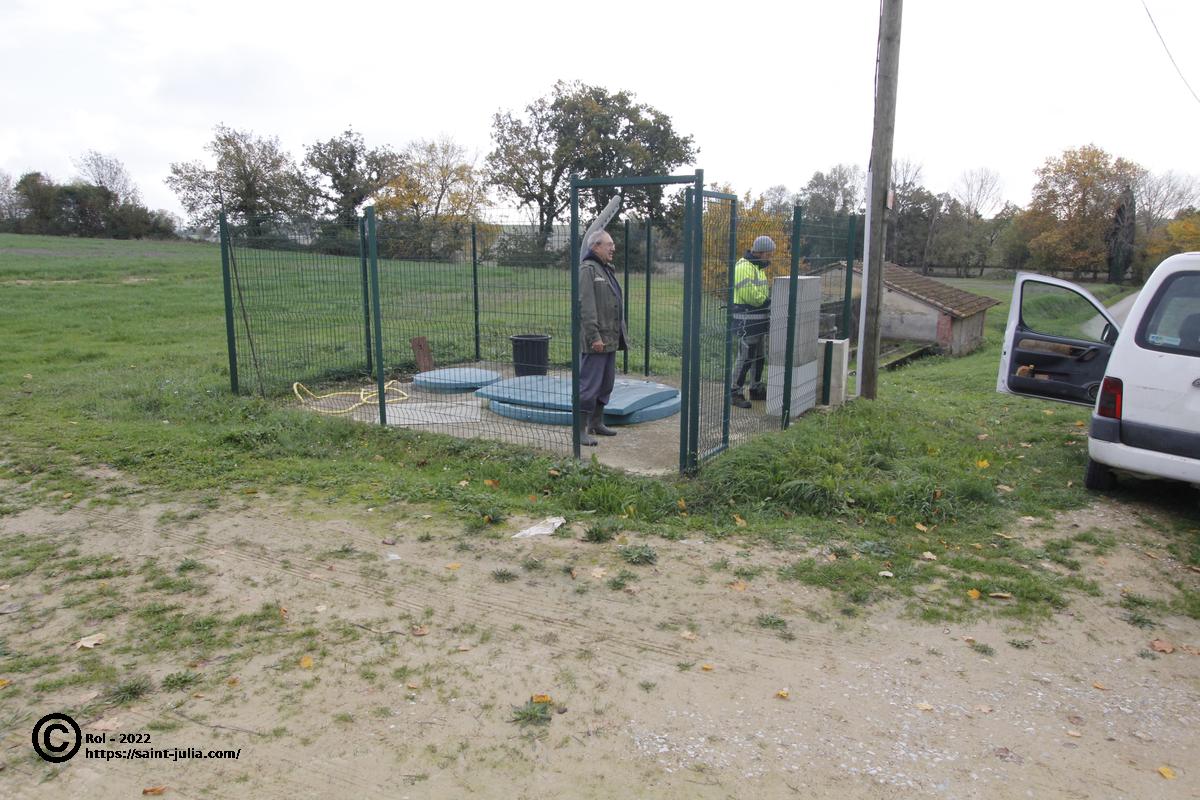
(1143, 382)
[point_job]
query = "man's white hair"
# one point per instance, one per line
(594, 237)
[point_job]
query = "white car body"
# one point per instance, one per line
(1143, 382)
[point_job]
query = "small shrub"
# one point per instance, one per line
(639, 554)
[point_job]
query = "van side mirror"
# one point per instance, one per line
(1109, 334)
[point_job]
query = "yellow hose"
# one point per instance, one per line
(391, 393)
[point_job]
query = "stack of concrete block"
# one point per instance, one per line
(805, 353)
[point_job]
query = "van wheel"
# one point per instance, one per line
(1098, 477)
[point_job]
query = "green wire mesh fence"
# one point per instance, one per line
(350, 312)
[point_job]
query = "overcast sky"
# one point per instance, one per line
(770, 91)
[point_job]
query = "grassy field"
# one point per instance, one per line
(115, 355)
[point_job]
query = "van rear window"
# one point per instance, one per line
(1172, 320)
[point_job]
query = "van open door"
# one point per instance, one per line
(1057, 341)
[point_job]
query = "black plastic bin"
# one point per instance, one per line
(531, 353)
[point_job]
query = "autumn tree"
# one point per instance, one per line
(344, 173)
(253, 179)
(434, 198)
(1075, 196)
(585, 130)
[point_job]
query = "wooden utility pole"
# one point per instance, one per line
(887, 70)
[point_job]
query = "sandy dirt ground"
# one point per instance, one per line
(395, 669)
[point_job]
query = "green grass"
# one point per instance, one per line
(124, 347)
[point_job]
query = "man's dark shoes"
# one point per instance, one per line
(738, 401)
(596, 423)
(581, 423)
(758, 393)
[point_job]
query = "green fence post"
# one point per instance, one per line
(575, 343)
(227, 285)
(366, 290)
(373, 250)
(733, 257)
(697, 293)
(646, 339)
(790, 350)
(625, 297)
(685, 383)
(475, 287)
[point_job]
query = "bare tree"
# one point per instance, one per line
(979, 191)
(906, 177)
(9, 204)
(1160, 195)
(109, 173)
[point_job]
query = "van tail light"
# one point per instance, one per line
(1110, 398)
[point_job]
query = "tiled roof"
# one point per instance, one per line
(955, 302)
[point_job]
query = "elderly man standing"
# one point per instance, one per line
(602, 333)
(751, 318)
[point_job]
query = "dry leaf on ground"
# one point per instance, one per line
(689, 635)
(1166, 772)
(420, 630)
(491, 483)
(782, 694)
(737, 520)
(154, 790)
(738, 586)
(464, 483)
(1162, 646)
(453, 565)
(306, 662)
(928, 556)
(924, 707)
(974, 594)
(1100, 686)
(541, 698)
(4, 682)
(1074, 733)
(599, 572)
(89, 642)
(920, 527)
(707, 667)
(1000, 595)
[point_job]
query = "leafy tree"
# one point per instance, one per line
(37, 200)
(1075, 195)
(589, 131)
(109, 173)
(836, 192)
(253, 179)
(344, 173)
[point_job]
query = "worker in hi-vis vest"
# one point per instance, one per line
(751, 319)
